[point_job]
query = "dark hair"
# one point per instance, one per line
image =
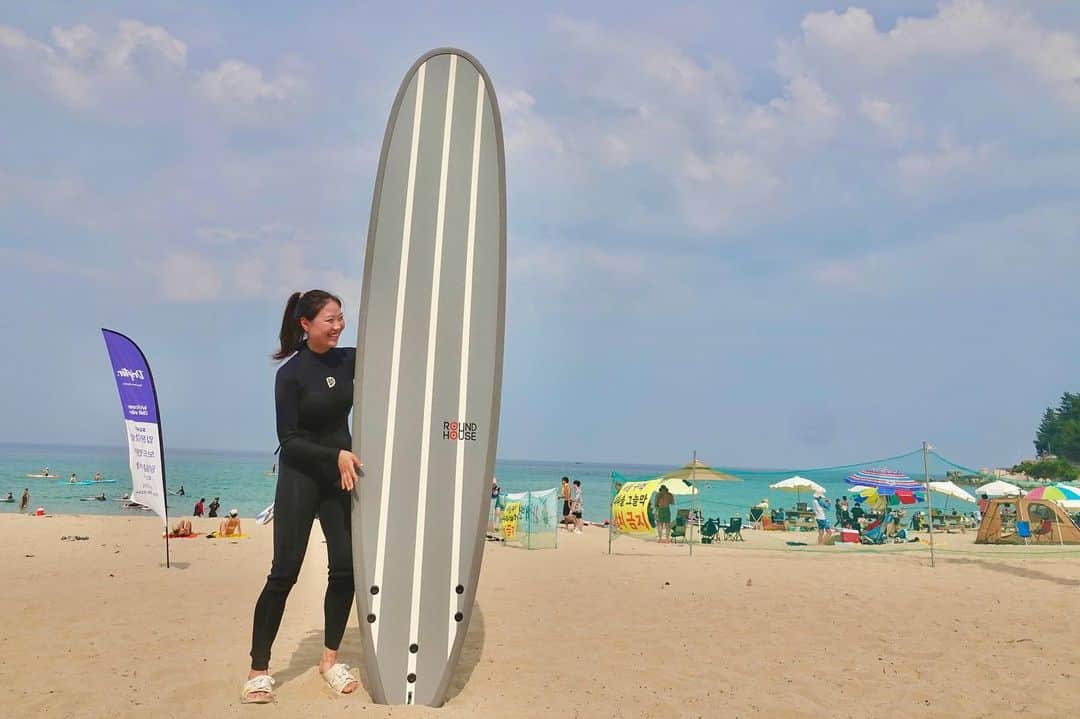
(577, 482)
(301, 304)
(566, 479)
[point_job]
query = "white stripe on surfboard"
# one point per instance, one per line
(429, 385)
(466, 329)
(395, 361)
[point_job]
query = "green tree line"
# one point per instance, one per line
(1059, 431)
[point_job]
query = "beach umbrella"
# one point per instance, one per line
(1055, 492)
(699, 472)
(873, 498)
(675, 485)
(949, 489)
(999, 488)
(797, 484)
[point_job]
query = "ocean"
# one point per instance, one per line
(243, 481)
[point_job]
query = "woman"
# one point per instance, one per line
(313, 394)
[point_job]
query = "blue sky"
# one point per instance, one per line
(783, 234)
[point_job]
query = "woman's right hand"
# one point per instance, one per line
(348, 465)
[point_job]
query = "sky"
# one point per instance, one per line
(782, 234)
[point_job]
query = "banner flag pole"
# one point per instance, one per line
(139, 402)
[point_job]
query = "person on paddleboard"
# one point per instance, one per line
(317, 473)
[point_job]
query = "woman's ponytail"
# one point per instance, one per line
(301, 304)
(292, 334)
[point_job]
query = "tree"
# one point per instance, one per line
(1059, 431)
(1057, 469)
(1044, 437)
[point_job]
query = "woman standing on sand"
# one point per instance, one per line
(313, 395)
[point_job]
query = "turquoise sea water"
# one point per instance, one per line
(240, 479)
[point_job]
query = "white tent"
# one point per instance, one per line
(998, 488)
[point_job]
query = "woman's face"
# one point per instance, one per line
(323, 331)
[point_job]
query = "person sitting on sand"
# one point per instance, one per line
(663, 501)
(182, 529)
(231, 526)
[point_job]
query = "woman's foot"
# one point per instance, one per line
(337, 676)
(258, 689)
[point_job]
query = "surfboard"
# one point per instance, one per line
(266, 516)
(43, 476)
(428, 375)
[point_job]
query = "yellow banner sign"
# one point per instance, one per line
(630, 508)
(510, 515)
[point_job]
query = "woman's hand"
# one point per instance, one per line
(348, 464)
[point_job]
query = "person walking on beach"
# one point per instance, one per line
(663, 501)
(214, 507)
(496, 502)
(313, 394)
(564, 493)
(577, 505)
(199, 510)
(818, 504)
(25, 501)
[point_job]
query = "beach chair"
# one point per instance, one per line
(709, 530)
(1023, 530)
(873, 534)
(756, 513)
(733, 530)
(1045, 529)
(678, 527)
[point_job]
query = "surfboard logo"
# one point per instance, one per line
(330, 382)
(459, 431)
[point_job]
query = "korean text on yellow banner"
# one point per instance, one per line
(510, 515)
(630, 508)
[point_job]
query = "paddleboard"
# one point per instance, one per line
(266, 516)
(43, 476)
(93, 481)
(428, 375)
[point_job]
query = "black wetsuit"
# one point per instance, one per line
(313, 394)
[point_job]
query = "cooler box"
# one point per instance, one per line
(849, 535)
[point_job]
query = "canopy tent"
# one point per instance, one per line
(999, 488)
(699, 472)
(950, 489)
(1044, 519)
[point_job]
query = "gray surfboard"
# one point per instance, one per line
(429, 375)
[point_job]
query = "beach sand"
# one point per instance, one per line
(100, 628)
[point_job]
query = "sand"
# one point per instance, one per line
(100, 628)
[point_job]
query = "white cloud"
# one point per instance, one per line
(920, 171)
(237, 87)
(962, 30)
(888, 117)
(86, 70)
(188, 277)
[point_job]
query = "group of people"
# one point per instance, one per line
(230, 527)
(573, 505)
(201, 509)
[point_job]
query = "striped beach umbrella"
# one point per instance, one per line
(1055, 492)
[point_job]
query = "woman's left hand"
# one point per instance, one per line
(349, 465)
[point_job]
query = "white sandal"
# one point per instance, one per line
(338, 677)
(262, 684)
